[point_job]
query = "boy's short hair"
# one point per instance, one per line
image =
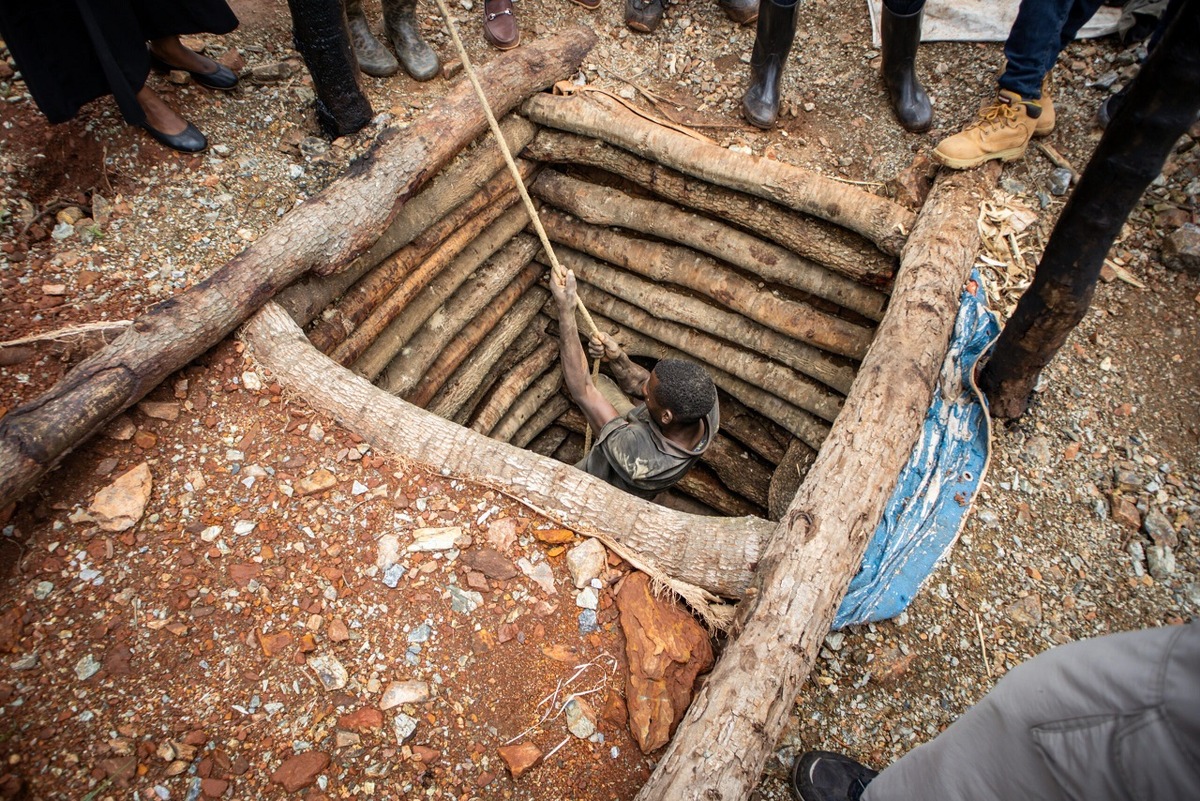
(685, 388)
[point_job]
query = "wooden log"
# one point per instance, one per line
(735, 719)
(1162, 103)
(840, 250)
(541, 420)
(833, 371)
(522, 347)
(512, 385)
(453, 186)
(878, 219)
(798, 422)
(444, 239)
(738, 471)
(324, 234)
(753, 430)
(684, 267)
(458, 349)
(471, 374)
(717, 555)
(699, 483)
(538, 395)
(413, 354)
(753, 368)
(788, 476)
(606, 206)
(547, 442)
(381, 335)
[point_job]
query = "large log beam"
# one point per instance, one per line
(323, 235)
(733, 723)
(717, 555)
(878, 219)
(840, 250)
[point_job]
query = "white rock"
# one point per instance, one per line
(315, 432)
(578, 722)
(86, 667)
(243, 527)
(120, 505)
(358, 488)
(587, 599)
(586, 561)
(541, 574)
(404, 692)
(329, 670)
(211, 533)
(251, 381)
(389, 551)
(404, 726)
(435, 539)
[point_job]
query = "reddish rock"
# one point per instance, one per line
(120, 769)
(666, 649)
(120, 505)
(275, 642)
(490, 563)
(337, 631)
(145, 440)
(1125, 512)
(555, 536)
(1026, 611)
(167, 410)
(361, 720)
(213, 788)
(425, 754)
(244, 574)
(614, 714)
(11, 627)
(300, 771)
(890, 664)
(520, 757)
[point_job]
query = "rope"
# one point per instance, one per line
(556, 269)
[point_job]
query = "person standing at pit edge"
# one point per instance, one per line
(72, 51)
(900, 29)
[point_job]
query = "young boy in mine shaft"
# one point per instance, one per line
(641, 449)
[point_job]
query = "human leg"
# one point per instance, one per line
(418, 58)
(373, 58)
(166, 126)
(901, 31)
(772, 44)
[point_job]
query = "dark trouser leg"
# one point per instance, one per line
(418, 58)
(373, 58)
(772, 43)
(1036, 39)
(901, 30)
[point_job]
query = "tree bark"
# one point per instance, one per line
(535, 397)
(324, 234)
(320, 35)
(547, 442)
(537, 425)
(840, 250)
(430, 250)
(413, 354)
(720, 748)
(878, 219)
(717, 554)
(755, 431)
(458, 349)
(512, 384)
(485, 358)
(1162, 104)
(380, 336)
(798, 422)
(748, 366)
(788, 476)
(606, 206)
(698, 315)
(683, 267)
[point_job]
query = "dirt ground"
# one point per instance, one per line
(175, 659)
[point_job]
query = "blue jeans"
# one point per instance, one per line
(1043, 28)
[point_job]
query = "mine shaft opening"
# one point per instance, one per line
(777, 306)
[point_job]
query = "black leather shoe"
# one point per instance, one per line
(189, 140)
(222, 78)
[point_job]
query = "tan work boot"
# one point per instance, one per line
(1045, 123)
(1002, 131)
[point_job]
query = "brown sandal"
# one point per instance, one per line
(500, 24)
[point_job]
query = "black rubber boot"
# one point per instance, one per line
(901, 34)
(373, 58)
(418, 58)
(772, 43)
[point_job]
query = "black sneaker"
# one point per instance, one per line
(825, 776)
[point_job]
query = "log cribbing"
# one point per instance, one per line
(512, 384)
(547, 442)
(403, 376)
(842, 251)
(542, 420)
(483, 358)
(415, 338)
(324, 234)
(605, 206)
(537, 395)
(674, 264)
(748, 366)
(311, 294)
(878, 219)
(694, 313)
(734, 721)
(756, 432)
(369, 347)
(524, 345)
(416, 262)
(716, 554)
(805, 425)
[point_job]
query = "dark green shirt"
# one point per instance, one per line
(632, 454)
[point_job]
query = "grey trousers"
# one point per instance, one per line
(1117, 717)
